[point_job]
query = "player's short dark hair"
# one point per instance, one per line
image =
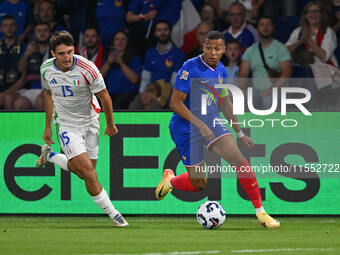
(9, 17)
(235, 42)
(164, 22)
(214, 35)
(62, 37)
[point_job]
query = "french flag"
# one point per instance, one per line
(184, 29)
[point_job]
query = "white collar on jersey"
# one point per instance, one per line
(204, 63)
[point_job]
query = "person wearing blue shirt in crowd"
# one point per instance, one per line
(162, 61)
(111, 18)
(11, 50)
(47, 13)
(233, 53)
(37, 52)
(245, 33)
(20, 11)
(141, 19)
(121, 71)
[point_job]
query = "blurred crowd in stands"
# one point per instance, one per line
(132, 44)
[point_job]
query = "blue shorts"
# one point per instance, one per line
(190, 144)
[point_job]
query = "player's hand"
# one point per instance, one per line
(206, 133)
(48, 136)
(150, 15)
(111, 130)
(247, 141)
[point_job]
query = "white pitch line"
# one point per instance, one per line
(281, 250)
(163, 253)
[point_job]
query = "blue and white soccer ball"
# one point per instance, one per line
(211, 215)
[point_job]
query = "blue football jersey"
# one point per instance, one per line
(197, 79)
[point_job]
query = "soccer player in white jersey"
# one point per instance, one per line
(71, 83)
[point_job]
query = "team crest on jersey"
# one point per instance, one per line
(220, 78)
(118, 3)
(169, 63)
(184, 75)
(76, 81)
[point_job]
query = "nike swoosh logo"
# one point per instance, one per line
(204, 81)
(160, 193)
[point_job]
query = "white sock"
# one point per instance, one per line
(258, 210)
(104, 202)
(59, 159)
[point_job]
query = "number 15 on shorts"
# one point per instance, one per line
(65, 140)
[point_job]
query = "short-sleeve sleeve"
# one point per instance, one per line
(294, 37)
(247, 54)
(329, 43)
(97, 83)
(147, 62)
(184, 75)
(44, 83)
(284, 53)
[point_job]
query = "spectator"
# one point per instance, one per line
(21, 12)
(31, 97)
(209, 14)
(91, 48)
(141, 15)
(277, 64)
(201, 30)
(148, 100)
(47, 14)
(122, 71)
(314, 36)
(11, 50)
(245, 33)
(162, 61)
(111, 18)
(233, 53)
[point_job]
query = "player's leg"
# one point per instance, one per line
(101, 198)
(194, 179)
(226, 147)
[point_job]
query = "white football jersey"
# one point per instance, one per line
(73, 91)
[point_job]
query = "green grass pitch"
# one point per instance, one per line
(165, 236)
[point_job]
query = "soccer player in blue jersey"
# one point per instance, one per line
(191, 129)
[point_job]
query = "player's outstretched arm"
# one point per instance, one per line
(105, 99)
(227, 109)
(49, 106)
(178, 106)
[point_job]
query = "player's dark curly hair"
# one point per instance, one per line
(62, 37)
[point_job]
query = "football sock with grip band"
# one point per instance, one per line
(248, 181)
(59, 159)
(182, 182)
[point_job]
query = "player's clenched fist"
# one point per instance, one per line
(111, 130)
(47, 136)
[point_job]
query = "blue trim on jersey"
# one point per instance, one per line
(74, 62)
(56, 68)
